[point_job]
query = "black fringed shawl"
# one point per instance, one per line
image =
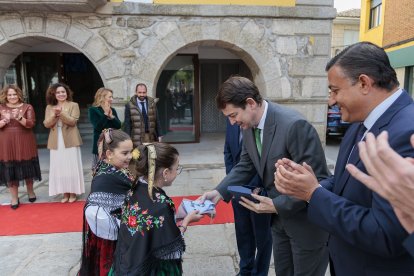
(108, 191)
(149, 241)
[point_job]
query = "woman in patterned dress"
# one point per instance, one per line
(18, 150)
(150, 241)
(110, 183)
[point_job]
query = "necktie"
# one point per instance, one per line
(258, 140)
(360, 133)
(144, 114)
(358, 137)
(240, 136)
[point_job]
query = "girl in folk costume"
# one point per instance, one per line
(150, 242)
(110, 183)
(61, 117)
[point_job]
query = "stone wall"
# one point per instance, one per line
(286, 48)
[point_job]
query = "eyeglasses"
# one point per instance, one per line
(179, 169)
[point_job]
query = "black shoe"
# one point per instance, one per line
(33, 199)
(15, 206)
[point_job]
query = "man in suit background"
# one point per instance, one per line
(252, 230)
(365, 235)
(270, 132)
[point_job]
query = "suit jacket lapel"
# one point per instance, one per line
(250, 144)
(268, 133)
(237, 144)
(344, 150)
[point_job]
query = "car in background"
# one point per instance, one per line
(336, 127)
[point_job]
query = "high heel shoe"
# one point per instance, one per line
(32, 199)
(15, 206)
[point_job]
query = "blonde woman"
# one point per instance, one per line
(102, 116)
(18, 150)
(61, 116)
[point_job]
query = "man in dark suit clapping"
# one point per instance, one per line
(366, 236)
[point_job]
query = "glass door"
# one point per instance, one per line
(178, 97)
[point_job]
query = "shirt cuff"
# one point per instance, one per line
(320, 186)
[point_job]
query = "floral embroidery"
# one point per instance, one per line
(161, 198)
(138, 220)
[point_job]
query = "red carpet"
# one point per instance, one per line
(46, 218)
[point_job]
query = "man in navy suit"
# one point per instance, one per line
(252, 230)
(366, 237)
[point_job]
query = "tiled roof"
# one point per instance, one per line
(349, 13)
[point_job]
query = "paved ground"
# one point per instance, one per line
(211, 249)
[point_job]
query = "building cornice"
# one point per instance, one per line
(305, 12)
(51, 6)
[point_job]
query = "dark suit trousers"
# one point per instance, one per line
(293, 257)
(252, 232)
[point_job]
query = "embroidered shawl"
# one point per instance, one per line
(149, 241)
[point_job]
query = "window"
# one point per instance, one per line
(375, 13)
(350, 37)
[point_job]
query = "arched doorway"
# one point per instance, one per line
(187, 88)
(47, 61)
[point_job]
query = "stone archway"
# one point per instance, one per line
(286, 54)
(21, 31)
(165, 39)
(187, 113)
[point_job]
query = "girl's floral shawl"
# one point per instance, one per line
(148, 235)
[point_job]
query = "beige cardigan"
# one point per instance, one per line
(69, 117)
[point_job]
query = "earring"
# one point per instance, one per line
(165, 179)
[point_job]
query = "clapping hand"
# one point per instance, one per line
(57, 110)
(110, 113)
(5, 118)
(294, 179)
(15, 113)
(107, 109)
(3, 122)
